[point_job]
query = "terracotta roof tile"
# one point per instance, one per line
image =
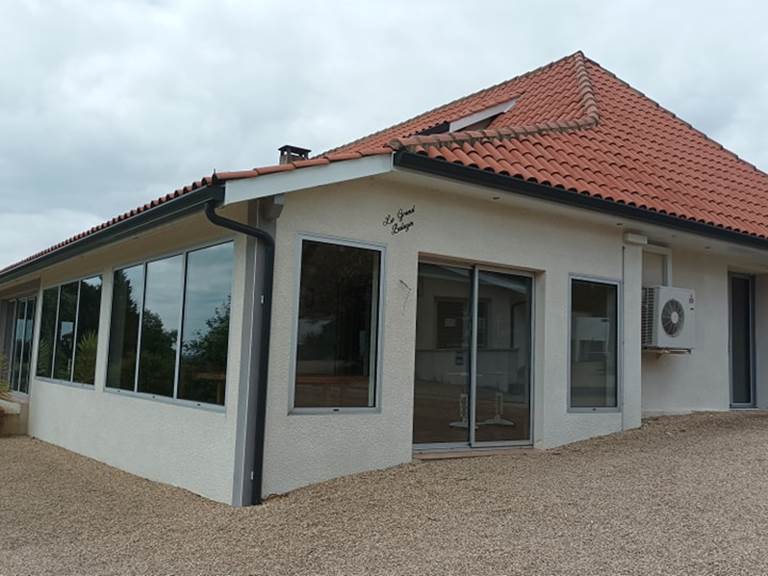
(622, 146)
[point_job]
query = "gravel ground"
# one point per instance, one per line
(682, 495)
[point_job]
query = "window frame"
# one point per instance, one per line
(173, 400)
(475, 268)
(619, 344)
(13, 303)
(38, 321)
(377, 394)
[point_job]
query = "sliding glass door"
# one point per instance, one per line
(443, 337)
(502, 405)
(473, 354)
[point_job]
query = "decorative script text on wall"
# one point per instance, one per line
(400, 221)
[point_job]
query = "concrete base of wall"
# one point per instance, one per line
(13, 418)
(657, 413)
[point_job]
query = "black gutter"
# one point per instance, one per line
(173, 209)
(266, 325)
(471, 175)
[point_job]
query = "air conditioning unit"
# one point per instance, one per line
(668, 318)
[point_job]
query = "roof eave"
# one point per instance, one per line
(407, 160)
(161, 214)
(244, 189)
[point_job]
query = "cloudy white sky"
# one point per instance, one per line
(104, 105)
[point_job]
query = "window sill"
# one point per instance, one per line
(65, 383)
(613, 410)
(165, 400)
(19, 396)
(332, 411)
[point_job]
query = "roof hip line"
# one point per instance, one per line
(590, 119)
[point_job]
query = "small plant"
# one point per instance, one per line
(85, 364)
(5, 385)
(44, 357)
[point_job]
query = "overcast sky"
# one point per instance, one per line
(105, 105)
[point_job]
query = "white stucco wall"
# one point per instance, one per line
(509, 233)
(194, 447)
(700, 380)
(182, 445)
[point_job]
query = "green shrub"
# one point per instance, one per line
(5, 385)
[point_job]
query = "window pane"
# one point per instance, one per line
(18, 343)
(29, 326)
(203, 371)
(65, 332)
(741, 336)
(594, 350)
(443, 342)
(87, 330)
(7, 325)
(502, 395)
(338, 309)
(47, 332)
(160, 326)
(124, 331)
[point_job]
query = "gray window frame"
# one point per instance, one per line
(752, 341)
(377, 393)
(38, 318)
(174, 400)
(15, 387)
(475, 269)
(619, 344)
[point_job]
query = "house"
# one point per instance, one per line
(540, 262)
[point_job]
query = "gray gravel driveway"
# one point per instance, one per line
(682, 495)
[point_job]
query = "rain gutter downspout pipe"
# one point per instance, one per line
(266, 325)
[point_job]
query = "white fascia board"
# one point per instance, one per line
(303, 178)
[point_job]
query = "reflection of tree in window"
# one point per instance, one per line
(160, 326)
(87, 330)
(65, 332)
(205, 335)
(47, 333)
(158, 355)
(204, 360)
(124, 332)
(154, 292)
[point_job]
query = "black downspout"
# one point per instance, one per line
(266, 324)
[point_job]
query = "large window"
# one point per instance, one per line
(594, 344)
(19, 322)
(69, 330)
(337, 340)
(127, 301)
(170, 326)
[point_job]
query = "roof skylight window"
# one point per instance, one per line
(475, 121)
